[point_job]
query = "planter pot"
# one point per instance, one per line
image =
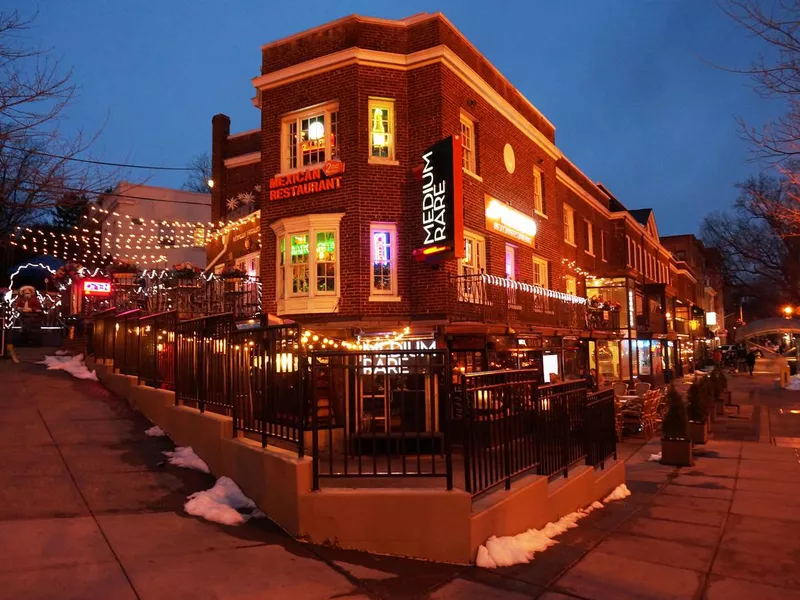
(677, 453)
(719, 408)
(698, 432)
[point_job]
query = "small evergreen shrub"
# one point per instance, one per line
(675, 425)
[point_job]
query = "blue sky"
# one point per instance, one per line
(631, 85)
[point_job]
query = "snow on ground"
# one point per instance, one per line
(794, 383)
(223, 503)
(73, 365)
(62, 352)
(155, 431)
(655, 457)
(620, 493)
(184, 456)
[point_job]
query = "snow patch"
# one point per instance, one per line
(518, 549)
(184, 456)
(620, 493)
(794, 383)
(62, 352)
(155, 431)
(73, 365)
(223, 503)
(655, 457)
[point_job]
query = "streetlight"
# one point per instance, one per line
(210, 183)
(787, 311)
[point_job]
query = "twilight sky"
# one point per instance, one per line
(630, 85)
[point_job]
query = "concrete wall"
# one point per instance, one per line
(432, 524)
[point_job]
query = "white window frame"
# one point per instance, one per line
(574, 281)
(569, 224)
(544, 268)
(247, 261)
(314, 301)
(538, 191)
(296, 117)
(479, 242)
(589, 238)
(388, 105)
(468, 145)
(392, 294)
(510, 250)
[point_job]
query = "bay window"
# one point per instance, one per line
(383, 261)
(309, 137)
(307, 263)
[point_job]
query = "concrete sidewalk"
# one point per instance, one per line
(88, 510)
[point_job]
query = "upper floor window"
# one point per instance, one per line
(628, 251)
(571, 285)
(474, 261)
(588, 230)
(538, 191)
(383, 258)
(381, 129)
(468, 144)
(310, 137)
(540, 272)
(569, 224)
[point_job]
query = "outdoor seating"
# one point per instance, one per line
(640, 388)
(620, 388)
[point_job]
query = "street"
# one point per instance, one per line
(88, 509)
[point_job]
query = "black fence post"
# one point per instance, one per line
(315, 425)
(468, 427)
(446, 426)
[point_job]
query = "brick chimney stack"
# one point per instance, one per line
(220, 130)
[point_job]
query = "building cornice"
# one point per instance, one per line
(568, 181)
(243, 159)
(407, 62)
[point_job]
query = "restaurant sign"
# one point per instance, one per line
(442, 202)
(96, 288)
(324, 178)
(509, 222)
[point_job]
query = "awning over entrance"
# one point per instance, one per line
(767, 326)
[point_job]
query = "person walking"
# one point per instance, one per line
(750, 359)
(717, 357)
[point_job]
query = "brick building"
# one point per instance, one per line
(325, 202)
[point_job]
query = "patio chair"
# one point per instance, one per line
(620, 388)
(640, 388)
(619, 423)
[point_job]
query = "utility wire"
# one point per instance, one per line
(99, 162)
(49, 204)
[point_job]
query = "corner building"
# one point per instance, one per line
(347, 111)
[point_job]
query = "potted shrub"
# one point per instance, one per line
(721, 388)
(676, 446)
(697, 411)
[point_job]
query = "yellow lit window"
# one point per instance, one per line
(381, 129)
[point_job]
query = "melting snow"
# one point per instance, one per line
(794, 383)
(620, 493)
(73, 365)
(223, 503)
(184, 456)
(62, 352)
(155, 431)
(655, 457)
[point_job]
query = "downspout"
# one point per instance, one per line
(226, 238)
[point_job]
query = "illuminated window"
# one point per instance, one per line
(540, 276)
(310, 137)
(468, 145)
(381, 129)
(474, 261)
(588, 230)
(569, 224)
(538, 191)
(307, 263)
(571, 285)
(383, 258)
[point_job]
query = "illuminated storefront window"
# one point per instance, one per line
(326, 262)
(310, 137)
(381, 119)
(605, 358)
(299, 261)
(607, 295)
(383, 281)
(645, 363)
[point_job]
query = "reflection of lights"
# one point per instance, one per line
(794, 411)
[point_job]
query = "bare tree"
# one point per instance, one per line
(200, 174)
(39, 164)
(759, 244)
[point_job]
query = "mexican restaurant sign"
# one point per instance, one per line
(320, 179)
(442, 225)
(509, 222)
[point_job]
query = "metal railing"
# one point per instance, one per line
(126, 342)
(603, 320)
(202, 375)
(267, 385)
(601, 435)
(380, 414)
(157, 349)
(561, 426)
(103, 334)
(491, 299)
(498, 414)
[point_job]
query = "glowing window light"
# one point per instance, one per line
(316, 130)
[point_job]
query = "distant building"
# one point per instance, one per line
(147, 225)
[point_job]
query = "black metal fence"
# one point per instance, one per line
(126, 342)
(560, 428)
(267, 390)
(157, 349)
(601, 435)
(380, 414)
(102, 344)
(202, 376)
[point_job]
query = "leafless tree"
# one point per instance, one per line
(197, 180)
(760, 240)
(40, 166)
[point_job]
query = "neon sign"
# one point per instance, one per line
(96, 288)
(509, 222)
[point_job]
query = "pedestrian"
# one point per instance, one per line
(751, 361)
(587, 377)
(717, 357)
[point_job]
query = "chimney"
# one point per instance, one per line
(220, 130)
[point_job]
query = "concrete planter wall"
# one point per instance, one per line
(698, 432)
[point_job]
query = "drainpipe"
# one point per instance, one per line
(225, 240)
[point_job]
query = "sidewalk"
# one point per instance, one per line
(88, 510)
